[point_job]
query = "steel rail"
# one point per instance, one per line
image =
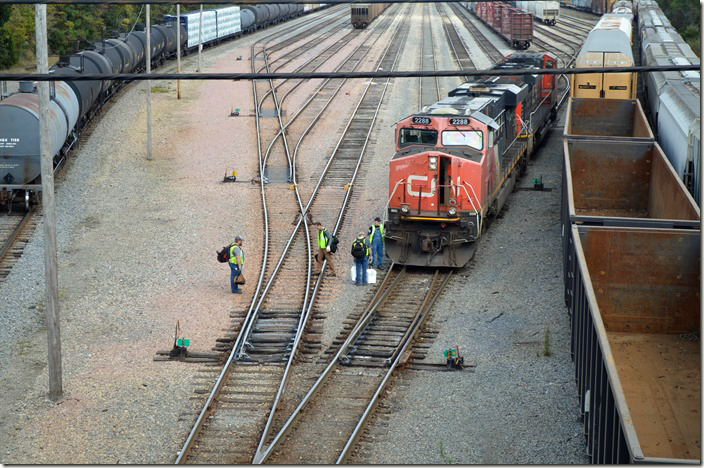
(307, 313)
(260, 457)
(387, 285)
(482, 40)
(15, 233)
(423, 312)
(451, 40)
(544, 30)
(424, 58)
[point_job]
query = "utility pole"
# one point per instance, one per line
(200, 35)
(178, 49)
(53, 329)
(149, 86)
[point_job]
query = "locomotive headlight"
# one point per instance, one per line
(452, 211)
(433, 162)
(404, 209)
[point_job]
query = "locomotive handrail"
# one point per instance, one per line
(479, 220)
(386, 210)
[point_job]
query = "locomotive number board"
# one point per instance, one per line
(422, 120)
(456, 121)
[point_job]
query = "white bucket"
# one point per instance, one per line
(371, 274)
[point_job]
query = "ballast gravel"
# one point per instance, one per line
(136, 253)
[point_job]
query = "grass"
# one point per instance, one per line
(447, 460)
(159, 89)
(546, 343)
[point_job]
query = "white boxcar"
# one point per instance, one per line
(546, 12)
(192, 22)
(228, 21)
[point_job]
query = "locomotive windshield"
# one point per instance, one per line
(472, 138)
(417, 136)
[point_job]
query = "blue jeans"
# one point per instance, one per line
(234, 271)
(377, 251)
(361, 264)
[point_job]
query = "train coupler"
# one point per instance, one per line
(454, 360)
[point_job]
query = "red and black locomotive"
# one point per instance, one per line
(457, 160)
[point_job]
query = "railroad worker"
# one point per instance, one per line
(360, 252)
(324, 242)
(376, 239)
(236, 263)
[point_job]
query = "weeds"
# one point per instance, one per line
(445, 458)
(546, 343)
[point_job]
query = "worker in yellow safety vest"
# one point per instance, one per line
(324, 253)
(376, 238)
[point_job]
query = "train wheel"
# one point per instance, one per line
(27, 202)
(364, 25)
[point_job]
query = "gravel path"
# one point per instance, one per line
(136, 253)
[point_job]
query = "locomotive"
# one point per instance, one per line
(457, 161)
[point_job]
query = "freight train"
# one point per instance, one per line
(512, 24)
(362, 14)
(673, 98)
(544, 11)
(632, 252)
(608, 44)
(74, 103)
(597, 7)
(457, 160)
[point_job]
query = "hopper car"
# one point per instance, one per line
(457, 160)
(673, 98)
(544, 11)
(73, 103)
(513, 25)
(362, 14)
(631, 250)
(608, 44)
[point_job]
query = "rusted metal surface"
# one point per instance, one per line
(643, 282)
(606, 118)
(619, 179)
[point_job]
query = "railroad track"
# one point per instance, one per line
(265, 339)
(488, 47)
(428, 87)
(579, 21)
(569, 28)
(343, 397)
(459, 50)
(575, 45)
(15, 231)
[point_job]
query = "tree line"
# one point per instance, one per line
(69, 27)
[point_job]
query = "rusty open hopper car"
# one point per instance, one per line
(635, 320)
(606, 119)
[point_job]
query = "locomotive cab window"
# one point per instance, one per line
(417, 136)
(472, 138)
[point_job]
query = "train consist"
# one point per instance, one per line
(544, 11)
(512, 24)
(598, 7)
(673, 97)
(457, 161)
(608, 44)
(74, 103)
(631, 247)
(362, 14)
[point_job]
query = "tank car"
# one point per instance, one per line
(457, 160)
(362, 14)
(608, 44)
(73, 103)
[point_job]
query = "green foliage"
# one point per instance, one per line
(9, 53)
(685, 16)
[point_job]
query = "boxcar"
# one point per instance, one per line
(512, 24)
(362, 14)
